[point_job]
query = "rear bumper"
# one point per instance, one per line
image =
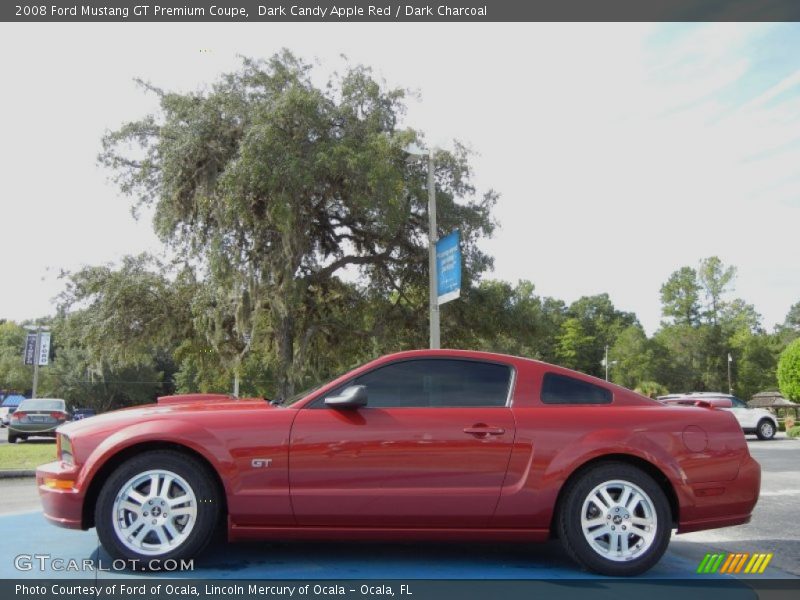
(41, 430)
(725, 503)
(63, 506)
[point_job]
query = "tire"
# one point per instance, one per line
(185, 513)
(765, 430)
(12, 438)
(621, 497)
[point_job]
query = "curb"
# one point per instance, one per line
(13, 474)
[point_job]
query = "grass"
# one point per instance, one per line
(26, 455)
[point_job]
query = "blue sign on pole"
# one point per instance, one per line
(448, 267)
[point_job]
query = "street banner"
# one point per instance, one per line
(448, 268)
(30, 349)
(44, 348)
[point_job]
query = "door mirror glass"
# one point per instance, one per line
(354, 396)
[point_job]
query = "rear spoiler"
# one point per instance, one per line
(187, 398)
(691, 402)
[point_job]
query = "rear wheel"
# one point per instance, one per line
(158, 505)
(765, 429)
(615, 520)
(12, 437)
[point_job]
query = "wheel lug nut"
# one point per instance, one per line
(145, 514)
(154, 521)
(613, 528)
(623, 528)
(608, 516)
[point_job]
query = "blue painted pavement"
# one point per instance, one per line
(29, 534)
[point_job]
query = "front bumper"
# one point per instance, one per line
(61, 501)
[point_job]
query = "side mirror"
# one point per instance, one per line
(354, 396)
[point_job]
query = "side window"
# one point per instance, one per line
(437, 383)
(560, 389)
(738, 403)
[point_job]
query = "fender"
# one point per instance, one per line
(550, 448)
(180, 432)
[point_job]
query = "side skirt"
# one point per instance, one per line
(249, 532)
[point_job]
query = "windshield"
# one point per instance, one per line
(12, 401)
(41, 405)
(299, 395)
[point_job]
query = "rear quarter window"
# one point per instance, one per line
(562, 389)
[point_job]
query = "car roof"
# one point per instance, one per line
(45, 400)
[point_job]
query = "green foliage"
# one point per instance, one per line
(680, 297)
(790, 329)
(715, 280)
(275, 186)
(638, 361)
(125, 315)
(651, 389)
(789, 371)
(794, 432)
(572, 341)
(592, 324)
(14, 375)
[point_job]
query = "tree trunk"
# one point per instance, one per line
(285, 341)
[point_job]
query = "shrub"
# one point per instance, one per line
(789, 371)
(794, 432)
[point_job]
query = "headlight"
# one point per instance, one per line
(64, 449)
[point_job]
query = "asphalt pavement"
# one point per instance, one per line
(773, 529)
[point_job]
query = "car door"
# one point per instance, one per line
(430, 449)
(743, 414)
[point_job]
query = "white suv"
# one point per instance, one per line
(752, 420)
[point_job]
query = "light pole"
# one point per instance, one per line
(605, 362)
(433, 300)
(38, 329)
(730, 386)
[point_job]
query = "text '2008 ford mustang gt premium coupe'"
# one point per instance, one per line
(439, 444)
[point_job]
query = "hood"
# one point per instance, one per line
(175, 406)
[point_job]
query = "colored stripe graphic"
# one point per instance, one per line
(725, 568)
(701, 567)
(765, 563)
(734, 563)
(741, 562)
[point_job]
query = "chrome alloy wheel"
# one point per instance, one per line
(767, 430)
(618, 520)
(154, 512)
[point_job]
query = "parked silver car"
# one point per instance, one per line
(37, 417)
(758, 421)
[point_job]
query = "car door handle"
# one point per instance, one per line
(484, 430)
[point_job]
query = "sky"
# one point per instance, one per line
(622, 152)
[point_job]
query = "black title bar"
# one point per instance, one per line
(397, 11)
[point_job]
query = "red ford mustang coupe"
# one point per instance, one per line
(441, 444)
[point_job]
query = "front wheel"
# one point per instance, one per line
(157, 505)
(765, 429)
(615, 520)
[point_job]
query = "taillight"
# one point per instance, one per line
(17, 415)
(58, 415)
